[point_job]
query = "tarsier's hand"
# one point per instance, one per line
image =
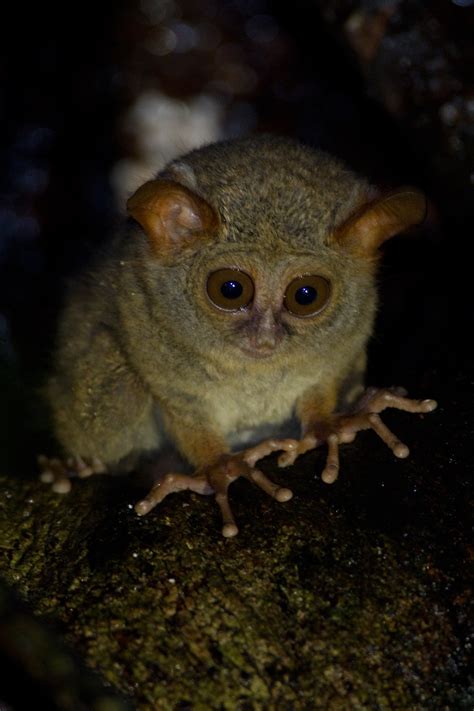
(363, 416)
(216, 479)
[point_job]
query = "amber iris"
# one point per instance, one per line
(230, 289)
(307, 295)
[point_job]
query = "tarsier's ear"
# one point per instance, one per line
(381, 219)
(175, 219)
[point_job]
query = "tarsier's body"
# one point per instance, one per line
(240, 297)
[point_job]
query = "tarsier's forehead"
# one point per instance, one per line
(272, 184)
(298, 219)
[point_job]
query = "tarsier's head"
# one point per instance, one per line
(274, 244)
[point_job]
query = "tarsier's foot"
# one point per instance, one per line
(59, 472)
(216, 479)
(363, 415)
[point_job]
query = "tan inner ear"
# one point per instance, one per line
(372, 224)
(173, 217)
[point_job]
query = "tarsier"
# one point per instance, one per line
(238, 298)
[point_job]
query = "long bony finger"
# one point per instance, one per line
(229, 526)
(252, 455)
(331, 470)
(387, 398)
(169, 484)
(277, 492)
(399, 449)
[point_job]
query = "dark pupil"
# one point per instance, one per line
(305, 295)
(231, 289)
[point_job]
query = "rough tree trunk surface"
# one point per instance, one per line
(350, 596)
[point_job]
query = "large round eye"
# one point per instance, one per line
(307, 295)
(230, 289)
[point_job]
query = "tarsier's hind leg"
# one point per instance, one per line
(101, 411)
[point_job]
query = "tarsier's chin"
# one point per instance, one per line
(240, 294)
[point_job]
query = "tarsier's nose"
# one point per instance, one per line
(265, 332)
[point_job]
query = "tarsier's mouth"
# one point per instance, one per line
(264, 352)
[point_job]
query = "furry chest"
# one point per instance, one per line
(242, 406)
